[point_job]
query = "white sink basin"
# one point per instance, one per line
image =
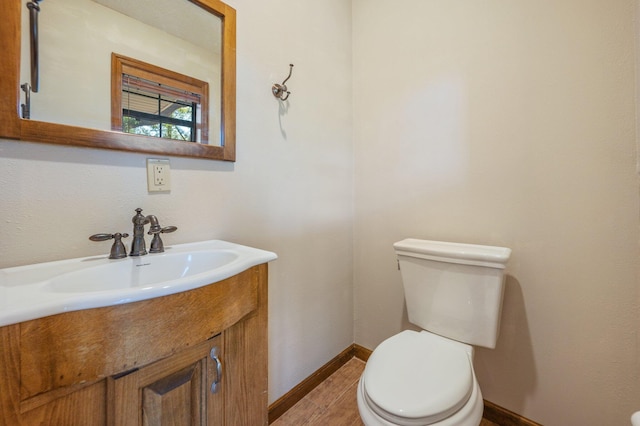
(144, 272)
(35, 291)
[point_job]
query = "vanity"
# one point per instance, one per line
(189, 350)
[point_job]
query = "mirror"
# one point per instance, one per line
(94, 81)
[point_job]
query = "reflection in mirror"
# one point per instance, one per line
(152, 101)
(38, 130)
(77, 38)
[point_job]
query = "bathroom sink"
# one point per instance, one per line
(34, 291)
(145, 272)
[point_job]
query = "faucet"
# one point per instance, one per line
(138, 247)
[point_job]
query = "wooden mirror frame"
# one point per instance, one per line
(14, 127)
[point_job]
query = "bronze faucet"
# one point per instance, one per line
(138, 246)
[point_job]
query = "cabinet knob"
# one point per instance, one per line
(214, 356)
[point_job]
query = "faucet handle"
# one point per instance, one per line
(118, 251)
(101, 237)
(157, 246)
(158, 230)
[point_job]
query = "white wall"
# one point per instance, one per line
(508, 123)
(290, 190)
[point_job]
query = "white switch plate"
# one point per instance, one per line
(158, 175)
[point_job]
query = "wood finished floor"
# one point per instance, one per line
(333, 402)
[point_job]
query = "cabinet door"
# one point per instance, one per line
(174, 391)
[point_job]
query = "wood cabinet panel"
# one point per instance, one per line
(81, 408)
(9, 375)
(84, 406)
(175, 401)
(246, 381)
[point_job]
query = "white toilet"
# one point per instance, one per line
(454, 292)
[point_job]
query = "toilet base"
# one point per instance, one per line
(469, 415)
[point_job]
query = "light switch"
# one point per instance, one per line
(158, 175)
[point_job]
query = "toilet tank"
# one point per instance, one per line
(454, 290)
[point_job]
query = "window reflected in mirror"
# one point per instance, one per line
(152, 101)
(153, 109)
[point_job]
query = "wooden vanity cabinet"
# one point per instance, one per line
(143, 363)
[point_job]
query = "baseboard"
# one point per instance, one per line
(503, 417)
(492, 412)
(361, 352)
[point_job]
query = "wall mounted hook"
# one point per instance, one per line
(280, 91)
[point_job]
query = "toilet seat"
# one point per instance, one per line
(418, 378)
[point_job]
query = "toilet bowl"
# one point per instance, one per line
(453, 292)
(419, 378)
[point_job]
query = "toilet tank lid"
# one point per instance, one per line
(472, 254)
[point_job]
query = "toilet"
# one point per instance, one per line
(454, 294)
